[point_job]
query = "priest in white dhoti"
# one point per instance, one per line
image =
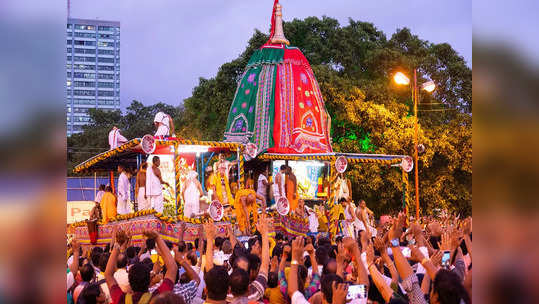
(154, 182)
(192, 191)
(164, 124)
(124, 191)
(116, 139)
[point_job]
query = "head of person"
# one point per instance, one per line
(103, 260)
(87, 272)
(150, 244)
(156, 161)
(121, 168)
(288, 169)
(192, 258)
(255, 246)
(447, 288)
(218, 242)
(167, 298)
(242, 262)
(342, 200)
(121, 262)
(226, 247)
(321, 255)
(217, 282)
(326, 286)
(330, 267)
(362, 204)
(95, 255)
(273, 279)
(102, 187)
(92, 294)
(239, 282)
(254, 266)
(108, 189)
(139, 277)
(221, 156)
(302, 277)
(251, 198)
(282, 169)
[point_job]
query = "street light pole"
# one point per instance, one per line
(416, 143)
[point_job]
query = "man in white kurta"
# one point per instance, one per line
(115, 138)
(154, 188)
(162, 122)
(124, 191)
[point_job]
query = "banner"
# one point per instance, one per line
(79, 210)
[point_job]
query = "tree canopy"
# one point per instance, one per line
(354, 65)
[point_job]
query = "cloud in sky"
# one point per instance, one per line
(166, 45)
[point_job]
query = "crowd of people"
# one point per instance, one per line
(423, 261)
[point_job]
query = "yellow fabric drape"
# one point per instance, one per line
(251, 209)
(216, 181)
(108, 206)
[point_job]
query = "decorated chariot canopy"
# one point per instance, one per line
(278, 105)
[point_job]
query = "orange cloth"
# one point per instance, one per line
(252, 208)
(274, 295)
(108, 206)
(289, 184)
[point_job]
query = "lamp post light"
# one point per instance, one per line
(429, 86)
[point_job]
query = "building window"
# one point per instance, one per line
(85, 51)
(105, 102)
(69, 26)
(83, 67)
(105, 68)
(106, 36)
(105, 44)
(84, 101)
(84, 27)
(68, 74)
(68, 83)
(105, 84)
(105, 28)
(69, 34)
(84, 59)
(68, 66)
(84, 84)
(84, 75)
(105, 93)
(105, 60)
(85, 35)
(69, 50)
(85, 43)
(106, 52)
(69, 58)
(84, 92)
(106, 76)
(69, 41)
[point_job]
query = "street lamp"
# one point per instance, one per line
(429, 86)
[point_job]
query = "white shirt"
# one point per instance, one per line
(116, 139)
(123, 187)
(122, 278)
(299, 298)
(313, 222)
(262, 190)
(153, 184)
(99, 196)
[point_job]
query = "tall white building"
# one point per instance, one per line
(93, 69)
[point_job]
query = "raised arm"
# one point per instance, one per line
(262, 227)
(111, 264)
(170, 263)
(384, 289)
(351, 245)
(297, 255)
(74, 267)
(180, 258)
(310, 250)
(381, 246)
(209, 229)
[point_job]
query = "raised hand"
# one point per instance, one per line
(415, 254)
(310, 249)
(298, 248)
(209, 229)
(467, 228)
(150, 234)
(436, 258)
(370, 254)
(339, 293)
(380, 245)
(446, 242)
(349, 243)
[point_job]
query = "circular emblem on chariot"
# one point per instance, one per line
(341, 164)
(283, 207)
(148, 144)
(250, 151)
(407, 163)
(216, 211)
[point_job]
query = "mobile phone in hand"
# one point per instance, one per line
(356, 292)
(445, 258)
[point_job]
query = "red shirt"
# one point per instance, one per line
(118, 296)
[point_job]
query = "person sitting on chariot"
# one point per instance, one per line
(245, 206)
(164, 124)
(116, 139)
